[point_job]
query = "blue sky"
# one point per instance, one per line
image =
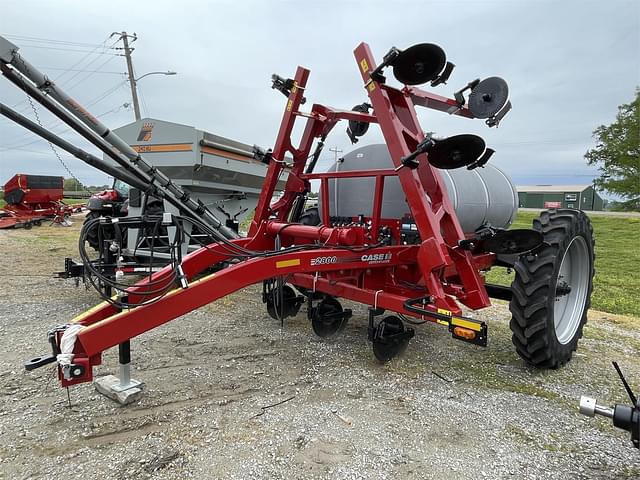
(569, 65)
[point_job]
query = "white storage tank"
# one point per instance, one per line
(480, 196)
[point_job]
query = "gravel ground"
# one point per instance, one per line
(445, 410)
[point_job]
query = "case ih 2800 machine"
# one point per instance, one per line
(410, 270)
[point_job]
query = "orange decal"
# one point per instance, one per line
(170, 147)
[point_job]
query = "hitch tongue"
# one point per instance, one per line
(38, 362)
(43, 360)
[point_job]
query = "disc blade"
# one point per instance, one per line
(513, 241)
(419, 64)
(488, 97)
(457, 151)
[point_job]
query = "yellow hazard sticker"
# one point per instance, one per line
(371, 86)
(444, 312)
(295, 88)
(289, 105)
(364, 65)
(288, 263)
(461, 322)
(91, 311)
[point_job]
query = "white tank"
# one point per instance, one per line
(480, 196)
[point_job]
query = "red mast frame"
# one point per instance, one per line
(426, 280)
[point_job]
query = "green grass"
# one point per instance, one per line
(68, 201)
(617, 280)
(71, 201)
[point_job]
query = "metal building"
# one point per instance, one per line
(583, 197)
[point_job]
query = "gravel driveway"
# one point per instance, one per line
(445, 410)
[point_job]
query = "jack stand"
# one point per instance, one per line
(124, 389)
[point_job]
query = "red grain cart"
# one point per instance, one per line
(31, 199)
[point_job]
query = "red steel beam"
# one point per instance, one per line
(119, 327)
(437, 102)
(425, 192)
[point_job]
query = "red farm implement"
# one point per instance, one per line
(32, 199)
(427, 275)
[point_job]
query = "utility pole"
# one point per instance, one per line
(132, 78)
(335, 151)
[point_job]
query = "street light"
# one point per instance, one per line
(134, 90)
(168, 72)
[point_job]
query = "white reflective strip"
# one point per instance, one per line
(375, 299)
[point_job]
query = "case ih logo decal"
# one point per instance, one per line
(145, 132)
(377, 258)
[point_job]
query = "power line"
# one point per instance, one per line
(84, 79)
(73, 50)
(106, 94)
(57, 79)
(81, 70)
(103, 46)
(49, 40)
(144, 103)
(78, 72)
(110, 91)
(38, 139)
(30, 150)
(53, 148)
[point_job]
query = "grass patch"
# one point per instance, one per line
(71, 201)
(486, 373)
(617, 281)
(68, 201)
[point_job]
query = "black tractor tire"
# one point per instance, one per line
(156, 209)
(92, 234)
(548, 314)
(311, 216)
(108, 232)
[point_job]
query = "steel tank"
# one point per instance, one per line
(480, 196)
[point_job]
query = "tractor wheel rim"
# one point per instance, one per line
(574, 272)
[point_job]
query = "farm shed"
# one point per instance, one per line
(583, 197)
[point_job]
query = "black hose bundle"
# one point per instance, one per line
(110, 246)
(110, 288)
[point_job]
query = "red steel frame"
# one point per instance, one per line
(348, 261)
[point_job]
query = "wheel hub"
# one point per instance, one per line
(571, 290)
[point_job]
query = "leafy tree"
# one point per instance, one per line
(72, 185)
(618, 155)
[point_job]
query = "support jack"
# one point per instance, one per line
(123, 389)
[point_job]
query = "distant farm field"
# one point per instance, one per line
(68, 201)
(617, 281)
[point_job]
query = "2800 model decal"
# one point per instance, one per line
(371, 258)
(324, 260)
